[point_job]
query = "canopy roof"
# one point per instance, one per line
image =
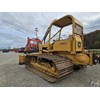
(65, 21)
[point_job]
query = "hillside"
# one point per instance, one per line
(92, 40)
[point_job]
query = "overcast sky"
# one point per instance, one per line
(16, 27)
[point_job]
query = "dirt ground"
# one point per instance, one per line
(14, 75)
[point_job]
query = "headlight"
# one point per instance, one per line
(79, 44)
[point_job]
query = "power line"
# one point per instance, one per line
(92, 27)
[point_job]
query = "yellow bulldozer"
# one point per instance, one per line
(59, 57)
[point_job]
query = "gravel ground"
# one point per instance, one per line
(13, 75)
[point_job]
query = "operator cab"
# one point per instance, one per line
(73, 44)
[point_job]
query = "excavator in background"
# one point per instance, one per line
(32, 45)
(60, 57)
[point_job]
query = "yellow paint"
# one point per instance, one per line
(62, 45)
(78, 40)
(21, 59)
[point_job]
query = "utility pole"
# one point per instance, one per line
(36, 30)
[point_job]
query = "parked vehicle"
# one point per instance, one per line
(5, 50)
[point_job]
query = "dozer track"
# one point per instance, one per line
(48, 66)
